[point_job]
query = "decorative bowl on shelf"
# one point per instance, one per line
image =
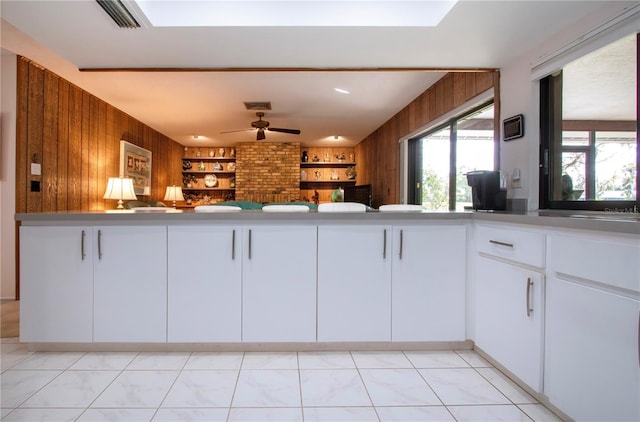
(210, 180)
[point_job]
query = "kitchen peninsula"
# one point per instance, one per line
(508, 285)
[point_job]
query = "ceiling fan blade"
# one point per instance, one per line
(238, 130)
(260, 135)
(291, 131)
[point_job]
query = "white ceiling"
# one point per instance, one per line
(65, 36)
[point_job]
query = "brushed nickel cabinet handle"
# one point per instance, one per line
(99, 244)
(401, 244)
(249, 243)
(529, 284)
(496, 242)
(82, 254)
(384, 245)
(233, 245)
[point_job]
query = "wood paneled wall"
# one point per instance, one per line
(379, 153)
(75, 137)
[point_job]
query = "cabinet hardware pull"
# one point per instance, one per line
(401, 244)
(82, 245)
(233, 245)
(249, 243)
(529, 284)
(384, 245)
(99, 244)
(496, 242)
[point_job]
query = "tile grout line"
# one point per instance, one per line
(364, 385)
(235, 387)
(107, 386)
(171, 386)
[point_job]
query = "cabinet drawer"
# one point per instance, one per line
(607, 261)
(515, 244)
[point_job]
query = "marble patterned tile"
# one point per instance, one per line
(158, 361)
(489, 413)
(104, 361)
(4, 411)
(12, 354)
(117, 415)
(333, 387)
(202, 389)
(136, 389)
(473, 358)
(414, 414)
(460, 386)
(539, 413)
(191, 415)
(18, 386)
(444, 359)
(273, 414)
(325, 360)
(277, 360)
(379, 360)
(214, 360)
(43, 415)
(397, 387)
(342, 414)
(49, 360)
(267, 388)
(510, 389)
(72, 389)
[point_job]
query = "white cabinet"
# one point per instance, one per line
(204, 284)
(592, 357)
(279, 283)
(509, 317)
(130, 284)
(592, 335)
(428, 283)
(354, 283)
(56, 284)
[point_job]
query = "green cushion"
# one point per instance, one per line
(245, 205)
(135, 204)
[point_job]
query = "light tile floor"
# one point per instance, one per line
(304, 386)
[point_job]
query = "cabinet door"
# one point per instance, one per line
(592, 352)
(130, 284)
(56, 284)
(509, 315)
(428, 283)
(354, 283)
(279, 283)
(204, 284)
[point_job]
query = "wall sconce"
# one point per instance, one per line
(120, 188)
(174, 193)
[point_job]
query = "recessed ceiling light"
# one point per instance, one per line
(342, 91)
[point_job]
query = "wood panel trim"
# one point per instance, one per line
(288, 69)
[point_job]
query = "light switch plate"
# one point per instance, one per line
(36, 169)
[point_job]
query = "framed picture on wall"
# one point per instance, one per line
(135, 162)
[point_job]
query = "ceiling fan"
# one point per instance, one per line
(263, 125)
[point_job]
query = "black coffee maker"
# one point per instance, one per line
(487, 190)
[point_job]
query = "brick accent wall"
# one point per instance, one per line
(268, 171)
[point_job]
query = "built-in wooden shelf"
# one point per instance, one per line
(309, 164)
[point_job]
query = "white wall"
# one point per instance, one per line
(8, 72)
(519, 94)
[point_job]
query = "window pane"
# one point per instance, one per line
(574, 173)
(575, 138)
(616, 165)
(435, 165)
(474, 151)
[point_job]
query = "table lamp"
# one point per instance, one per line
(174, 193)
(120, 188)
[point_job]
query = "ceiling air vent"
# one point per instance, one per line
(122, 17)
(257, 105)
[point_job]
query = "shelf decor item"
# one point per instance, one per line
(217, 166)
(210, 180)
(350, 172)
(337, 195)
(135, 163)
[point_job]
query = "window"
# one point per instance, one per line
(440, 159)
(589, 131)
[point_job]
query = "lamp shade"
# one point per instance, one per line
(173, 193)
(120, 188)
